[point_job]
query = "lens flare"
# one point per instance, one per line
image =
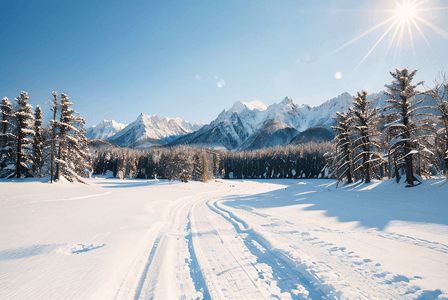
(404, 18)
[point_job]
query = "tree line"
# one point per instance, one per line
(28, 149)
(202, 164)
(405, 139)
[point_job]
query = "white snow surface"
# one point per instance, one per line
(226, 239)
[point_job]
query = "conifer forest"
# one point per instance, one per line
(404, 140)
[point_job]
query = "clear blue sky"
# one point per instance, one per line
(192, 59)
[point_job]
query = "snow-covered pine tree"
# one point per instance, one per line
(440, 95)
(38, 143)
(407, 126)
(342, 159)
(200, 171)
(367, 149)
(53, 126)
(184, 158)
(24, 118)
(81, 153)
(6, 138)
(72, 154)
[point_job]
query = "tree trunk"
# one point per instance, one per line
(349, 176)
(366, 168)
(397, 174)
(446, 159)
(446, 167)
(409, 170)
(19, 152)
(53, 138)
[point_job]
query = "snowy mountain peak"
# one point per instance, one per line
(240, 106)
(255, 105)
(153, 128)
(286, 101)
(104, 130)
(253, 125)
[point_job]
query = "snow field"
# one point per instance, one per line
(257, 239)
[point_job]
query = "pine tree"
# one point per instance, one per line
(72, 156)
(6, 137)
(440, 95)
(38, 143)
(342, 159)
(406, 127)
(24, 130)
(367, 149)
(53, 125)
(80, 153)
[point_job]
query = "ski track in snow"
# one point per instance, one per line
(231, 260)
(215, 245)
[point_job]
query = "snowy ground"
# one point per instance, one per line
(257, 239)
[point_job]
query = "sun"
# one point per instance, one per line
(406, 11)
(405, 17)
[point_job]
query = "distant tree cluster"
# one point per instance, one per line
(27, 149)
(193, 163)
(178, 163)
(292, 161)
(404, 139)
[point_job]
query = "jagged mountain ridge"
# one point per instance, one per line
(153, 129)
(104, 130)
(244, 126)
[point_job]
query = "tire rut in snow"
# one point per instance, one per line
(193, 264)
(288, 276)
(138, 291)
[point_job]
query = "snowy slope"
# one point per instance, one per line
(230, 129)
(152, 128)
(104, 130)
(323, 114)
(273, 133)
(313, 134)
(257, 239)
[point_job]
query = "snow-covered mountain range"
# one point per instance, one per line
(253, 125)
(246, 125)
(152, 129)
(104, 130)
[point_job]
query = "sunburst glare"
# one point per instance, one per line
(406, 11)
(405, 18)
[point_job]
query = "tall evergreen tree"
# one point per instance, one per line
(367, 149)
(342, 159)
(53, 126)
(6, 137)
(440, 95)
(407, 125)
(38, 143)
(24, 130)
(72, 154)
